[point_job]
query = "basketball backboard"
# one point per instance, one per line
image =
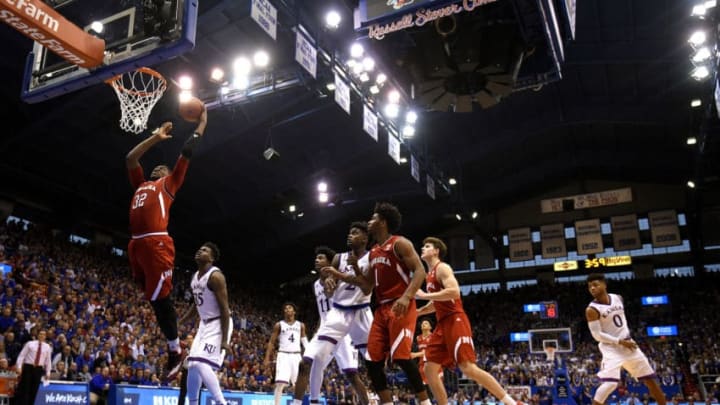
(559, 338)
(137, 33)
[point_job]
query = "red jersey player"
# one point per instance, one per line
(451, 343)
(151, 250)
(396, 273)
(422, 341)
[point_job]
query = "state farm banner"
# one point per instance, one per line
(625, 232)
(664, 228)
(589, 237)
(520, 244)
(590, 200)
(552, 238)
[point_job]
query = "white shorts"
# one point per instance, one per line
(206, 345)
(615, 358)
(339, 327)
(286, 367)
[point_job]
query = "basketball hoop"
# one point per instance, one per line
(138, 91)
(549, 353)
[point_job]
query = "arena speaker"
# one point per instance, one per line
(463, 60)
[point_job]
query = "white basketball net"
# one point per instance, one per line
(549, 353)
(138, 91)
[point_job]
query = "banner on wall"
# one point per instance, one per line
(306, 53)
(664, 228)
(585, 201)
(625, 232)
(265, 15)
(370, 122)
(589, 237)
(520, 244)
(342, 93)
(552, 238)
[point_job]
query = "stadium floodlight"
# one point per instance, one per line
(242, 66)
(332, 19)
(185, 96)
(394, 96)
(368, 64)
(330, 86)
(185, 82)
(374, 89)
(452, 181)
(292, 208)
(710, 4)
(458, 217)
(408, 131)
(411, 117)
(697, 38)
(698, 10)
(322, 187)
(474, 214)
(392, 110)
(241, 82)
(695, 103)
(381, 78)
(691, 140)
(356, 50)
(691, 184)
(97, 27)
(700, 73)
(702, 55)
(261, 59)
(216, 75)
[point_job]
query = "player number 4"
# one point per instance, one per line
(292, 337)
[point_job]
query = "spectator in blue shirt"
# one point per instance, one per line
(99, 387)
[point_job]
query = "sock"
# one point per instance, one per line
(174, 345)
(387, 403)
(425, 402)
(211, 382)
(316, 379)
(297, 402)
(507, 400)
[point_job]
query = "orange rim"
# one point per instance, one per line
(115, 80)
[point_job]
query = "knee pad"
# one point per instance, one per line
(413, 374)
(376, 373)
(604, 391)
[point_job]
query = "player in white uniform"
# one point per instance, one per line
(606, 320)
(350, 316)
(289, 333)
(212, 340)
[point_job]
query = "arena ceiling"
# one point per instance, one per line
(621, 112)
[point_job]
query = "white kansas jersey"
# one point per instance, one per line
(347, 295)
(205, 300)
(612, 317)
(289, 338)
(322, 300)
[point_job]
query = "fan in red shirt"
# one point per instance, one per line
(151, 250)
(451, 343)
(422, 340)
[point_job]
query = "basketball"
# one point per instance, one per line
(191, 109)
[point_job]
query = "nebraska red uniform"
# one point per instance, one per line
(451, 341)
(151, 250)
(390, 335)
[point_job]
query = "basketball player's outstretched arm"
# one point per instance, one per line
(271, 343)
(406, 252)
(218, 285)
(132, 160)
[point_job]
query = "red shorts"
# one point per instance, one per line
(451, 342)
(152, 260)
(390, 335)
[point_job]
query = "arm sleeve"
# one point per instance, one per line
(304, 341)
(599, 335)
(176, 178)
(136, 176)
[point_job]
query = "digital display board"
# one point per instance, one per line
(655, 300)
(668, 330)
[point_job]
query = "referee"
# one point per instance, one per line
(34, 357)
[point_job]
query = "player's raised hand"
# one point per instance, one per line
(352, 260)
(164, 131)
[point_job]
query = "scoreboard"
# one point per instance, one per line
(546, 309)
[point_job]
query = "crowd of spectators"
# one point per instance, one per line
(95, 317)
